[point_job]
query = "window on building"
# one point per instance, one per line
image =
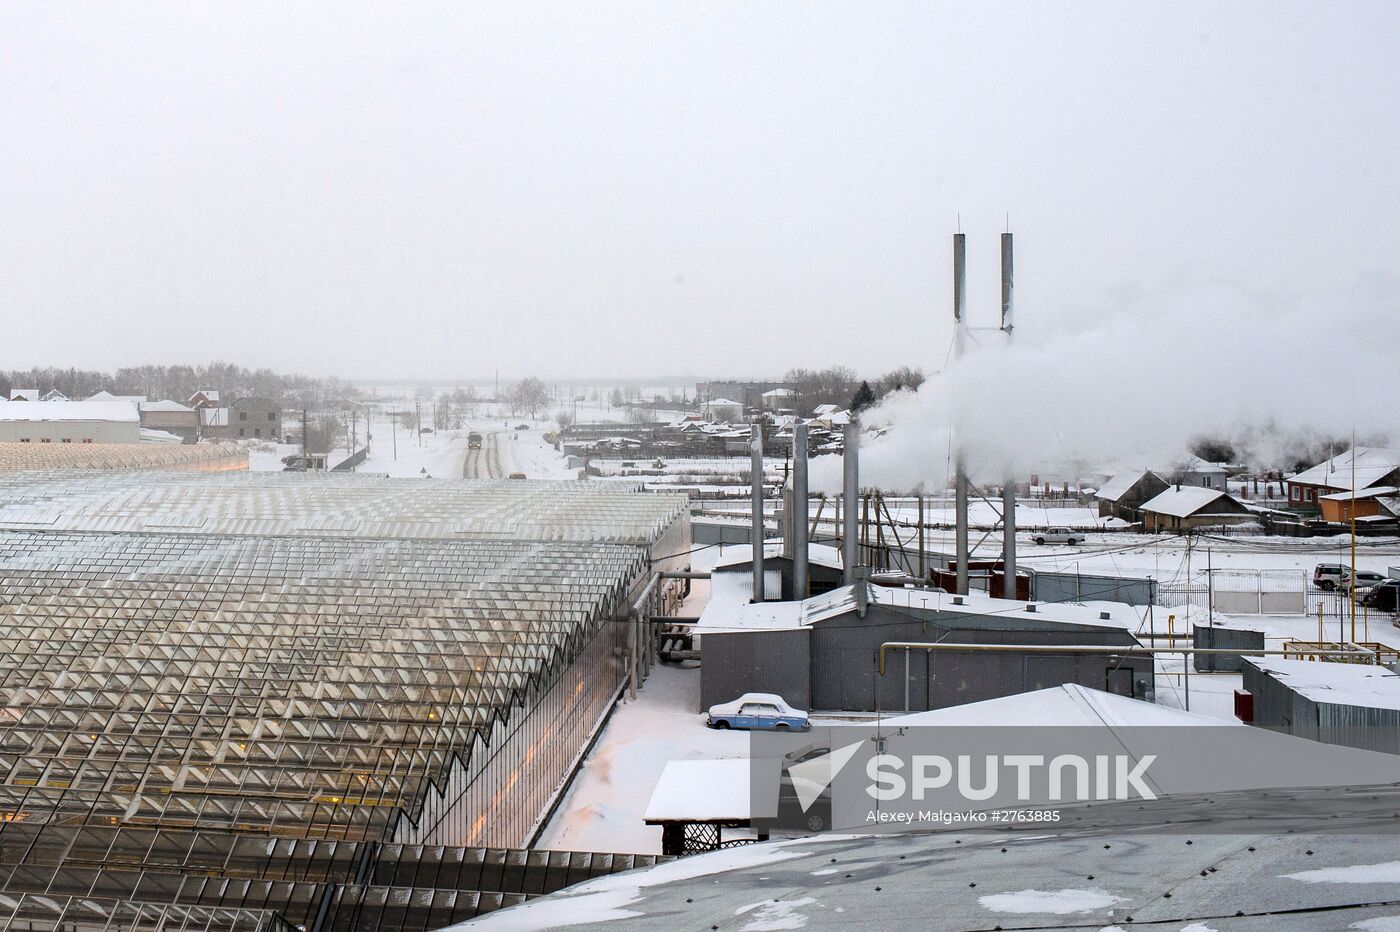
(272, 415)
(67, 439)
(87, 440)
(257, 431)
(45, 440)
(243, 415)
(241, 431)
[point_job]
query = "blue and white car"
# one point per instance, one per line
(757, 711)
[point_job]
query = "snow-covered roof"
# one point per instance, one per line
(742, 555)
(150, 435)
(164, 406)
(1118, 486)
(1380, 491)
(69, 411)
(729, 616)
(1336, 683)
(1372, 465)
(722, 403)
(24, 394)
(105, 395)
(1184, 501)
(705, 791)
(1194, 464)
(211, 394)
(779, 393)
(1070, 704)
(821, 410)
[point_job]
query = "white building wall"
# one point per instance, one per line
(74, 431)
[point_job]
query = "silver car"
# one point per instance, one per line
(1058, 535)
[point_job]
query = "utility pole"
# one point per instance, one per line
(394, 430)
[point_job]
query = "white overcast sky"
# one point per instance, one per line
(633, 189)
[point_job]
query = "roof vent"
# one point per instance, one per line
(1030, 607)
(957, 600)
(1103, 616)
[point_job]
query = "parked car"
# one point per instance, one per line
(1383, 597)
(517, 475)
(757, 711)
(473, 441)
(1365, 579)
(790, 812)
(1328, 576)
(522, 426)
(1058, 535)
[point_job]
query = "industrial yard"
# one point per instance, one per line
(677, 466)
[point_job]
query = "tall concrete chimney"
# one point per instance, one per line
(960, 474)
(850, 467)
(800, 511)
(756, 504)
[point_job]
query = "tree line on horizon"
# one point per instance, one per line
(178, 383)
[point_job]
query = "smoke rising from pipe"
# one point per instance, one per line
(1134, 385)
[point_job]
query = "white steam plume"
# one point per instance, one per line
(1143, 381)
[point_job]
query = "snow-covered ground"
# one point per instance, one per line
(604, 806)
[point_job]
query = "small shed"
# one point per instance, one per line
(1382, 501)
(1181, 508)
(1351, 704)
(695, 801)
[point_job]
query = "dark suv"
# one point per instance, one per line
(1383, 596)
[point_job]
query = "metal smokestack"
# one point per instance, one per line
(960, 476)
(1008, 284)
(756, 500)
(1008, 493)
(850, 466)
(800, 515)
(959, 291)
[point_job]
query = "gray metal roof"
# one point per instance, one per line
(1017, 880)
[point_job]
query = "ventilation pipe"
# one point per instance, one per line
(1008, 491)
(850, 464)
(960, 473)
(756, 503)
(800, 515)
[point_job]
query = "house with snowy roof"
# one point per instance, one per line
(1357, 470)
(723, 410)
(170, 417)
(1185, 507)
(1123, 495)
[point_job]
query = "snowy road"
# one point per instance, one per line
(489, 462)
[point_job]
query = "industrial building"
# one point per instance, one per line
(69, 422)
(1352, 704)
(286, 700)
(825, 652)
